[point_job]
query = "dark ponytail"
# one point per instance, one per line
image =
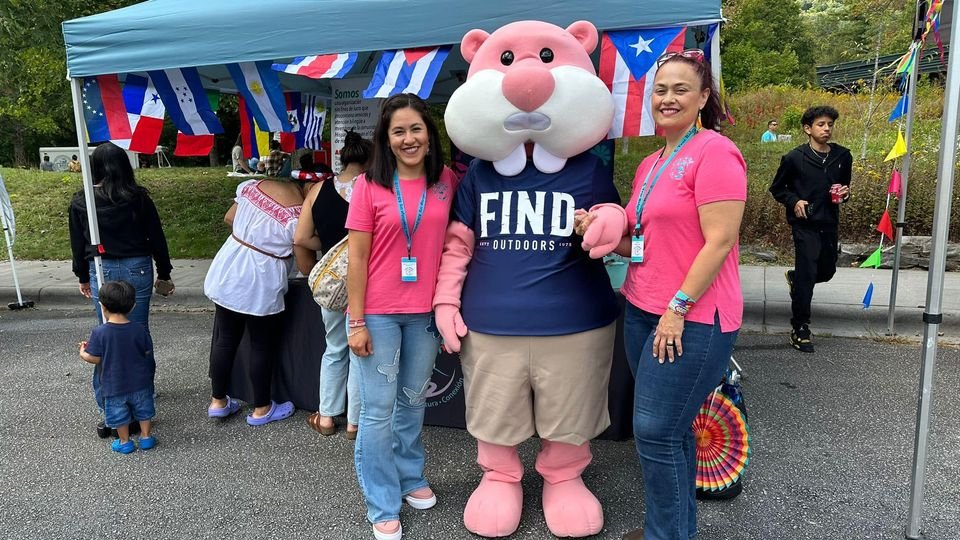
(712, 113)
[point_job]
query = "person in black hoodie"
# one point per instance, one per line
(812, 181)
(130, 236)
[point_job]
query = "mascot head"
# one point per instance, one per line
(529, 82)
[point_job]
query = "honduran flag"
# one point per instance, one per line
(407, 71)
(186, 101)
(145, 112)
(327, 66)
(260, 87)
(103, 109)
(628, 63)
(291, 141)
(255, 143)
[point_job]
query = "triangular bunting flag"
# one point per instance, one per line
(873, 260)
(899, 149)
(900, 109)
(886, 226)
(868, 296)
(896, 184)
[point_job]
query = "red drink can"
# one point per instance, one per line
(835, 196)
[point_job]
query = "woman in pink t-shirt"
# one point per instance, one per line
(684, 303)
(397, 219)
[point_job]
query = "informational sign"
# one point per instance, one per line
(351, 112)
(60, 156)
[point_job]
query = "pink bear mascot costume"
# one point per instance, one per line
(540, 310)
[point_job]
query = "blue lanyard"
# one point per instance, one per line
(403, 212)
(644, 192)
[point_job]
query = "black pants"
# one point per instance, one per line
(228, 329)
(815, 262)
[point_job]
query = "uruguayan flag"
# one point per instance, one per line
(260, 87)
(407, 71)
(186, 101)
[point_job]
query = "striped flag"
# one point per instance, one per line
(182, 93)
(327, 66)
(145, 112)
(712, 53)
(407, 71)
(255, 143)
(628, 62)
(260, 87)
(311, 128)
(103, 109)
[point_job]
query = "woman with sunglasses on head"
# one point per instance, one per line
(684, 303)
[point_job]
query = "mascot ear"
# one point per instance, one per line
(471, 43)
(585, 32)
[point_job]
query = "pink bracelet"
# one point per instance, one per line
(356, 323)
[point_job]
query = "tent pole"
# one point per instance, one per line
(933, 315)
(86, 173)
(902, 199)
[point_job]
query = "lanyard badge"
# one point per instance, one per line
(408, 264)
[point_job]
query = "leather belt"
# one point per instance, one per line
(258, 250)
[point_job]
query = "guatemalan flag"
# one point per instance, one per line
(186, 101)
(103, 109)
(260, 87)
(407, 71)
(145, 112)
(327, 66)
(628, 63)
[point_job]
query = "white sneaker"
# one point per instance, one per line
(395, 535)
(421, 504)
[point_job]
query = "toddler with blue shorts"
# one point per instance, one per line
(125, 354)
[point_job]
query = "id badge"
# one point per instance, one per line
(636, 249)
(408, 269)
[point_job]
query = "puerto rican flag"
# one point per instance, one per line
(407, 71)
(103, 109)
(145, 112)
(327, 66)
(182, 92)
(628, 63)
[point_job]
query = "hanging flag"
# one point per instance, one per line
(103, 109)
(899, 149)
(868, 296)
(886, 226)
(193, 145)
(6, 213)
(145, 113)
(327, 66)
(260, 87)
(255, 143)
(407, 71)
(289, 142)
(873, 260)
(711, 52)
(186, 101)
(900, 109)
(628, 61)
(896, 185)
(311, 129)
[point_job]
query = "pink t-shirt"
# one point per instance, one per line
(709, 168)
(374, 209)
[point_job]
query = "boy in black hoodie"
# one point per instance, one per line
(812, 181)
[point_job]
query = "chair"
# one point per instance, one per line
(162, 159)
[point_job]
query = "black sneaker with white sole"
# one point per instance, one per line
(800, 338)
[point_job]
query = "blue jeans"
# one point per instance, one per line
(137, 271)
(389, 452)
(666, 399)
(123, 409)
(337, 381)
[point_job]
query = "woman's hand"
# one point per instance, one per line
(85, 290)
(359, 341)
(666, 340)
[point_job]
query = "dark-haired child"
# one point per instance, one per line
(125, 354)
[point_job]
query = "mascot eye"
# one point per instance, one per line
(506, 58)
(546, 56)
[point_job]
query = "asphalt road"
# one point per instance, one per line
(832, 448)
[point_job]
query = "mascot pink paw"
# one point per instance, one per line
(569, 508)
(451, 326)
(494, 508)
(607, 226)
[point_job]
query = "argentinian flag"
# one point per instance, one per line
(260, 88)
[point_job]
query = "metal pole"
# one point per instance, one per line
(13, 265)
(933, 315)
(902, 199)
(86, 174)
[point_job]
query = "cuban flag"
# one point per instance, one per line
(103, 109)
(327, 66)
(407, 71)
(145, 112)
(628, 63)
(260, 87)
(291, 141)
(186, 101)
(311, 128)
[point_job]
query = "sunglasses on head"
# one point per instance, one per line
(693, 54)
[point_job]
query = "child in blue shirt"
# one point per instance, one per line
(125, 353)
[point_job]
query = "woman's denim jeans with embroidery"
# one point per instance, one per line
(389, 452)
(666, 399)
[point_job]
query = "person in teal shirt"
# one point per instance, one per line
(770, 135)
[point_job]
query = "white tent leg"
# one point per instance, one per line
(87, 174)
(13, 267)
(933, 314)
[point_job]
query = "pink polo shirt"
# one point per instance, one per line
(709, 168)
(374, 209)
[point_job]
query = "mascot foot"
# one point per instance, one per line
(570, 509)
(494, 508)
